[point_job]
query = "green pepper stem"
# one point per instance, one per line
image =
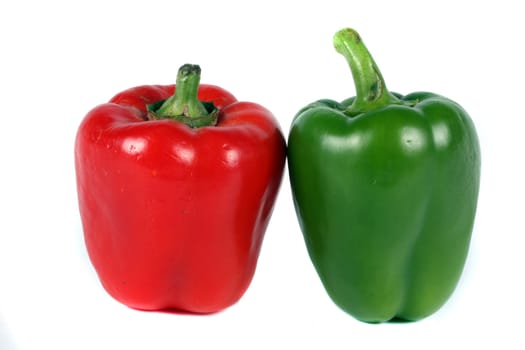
(371, 91)
(184, 105)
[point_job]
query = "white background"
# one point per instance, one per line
(60, 59)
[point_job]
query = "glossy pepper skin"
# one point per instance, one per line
(385, 189)
(174, 212)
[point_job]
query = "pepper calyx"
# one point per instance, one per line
(184, 106)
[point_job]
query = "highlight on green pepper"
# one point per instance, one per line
(385, 189)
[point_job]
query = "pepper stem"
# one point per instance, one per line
(371, 91)
(184, 105)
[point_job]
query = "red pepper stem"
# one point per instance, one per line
(184, 101)
(184, 106)
(371, 91)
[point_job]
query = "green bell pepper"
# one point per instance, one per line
(385, 189)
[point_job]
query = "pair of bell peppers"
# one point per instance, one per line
(176, 186)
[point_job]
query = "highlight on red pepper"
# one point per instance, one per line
(385, 188)
(176, 186)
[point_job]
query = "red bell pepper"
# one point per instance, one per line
(175, 194)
